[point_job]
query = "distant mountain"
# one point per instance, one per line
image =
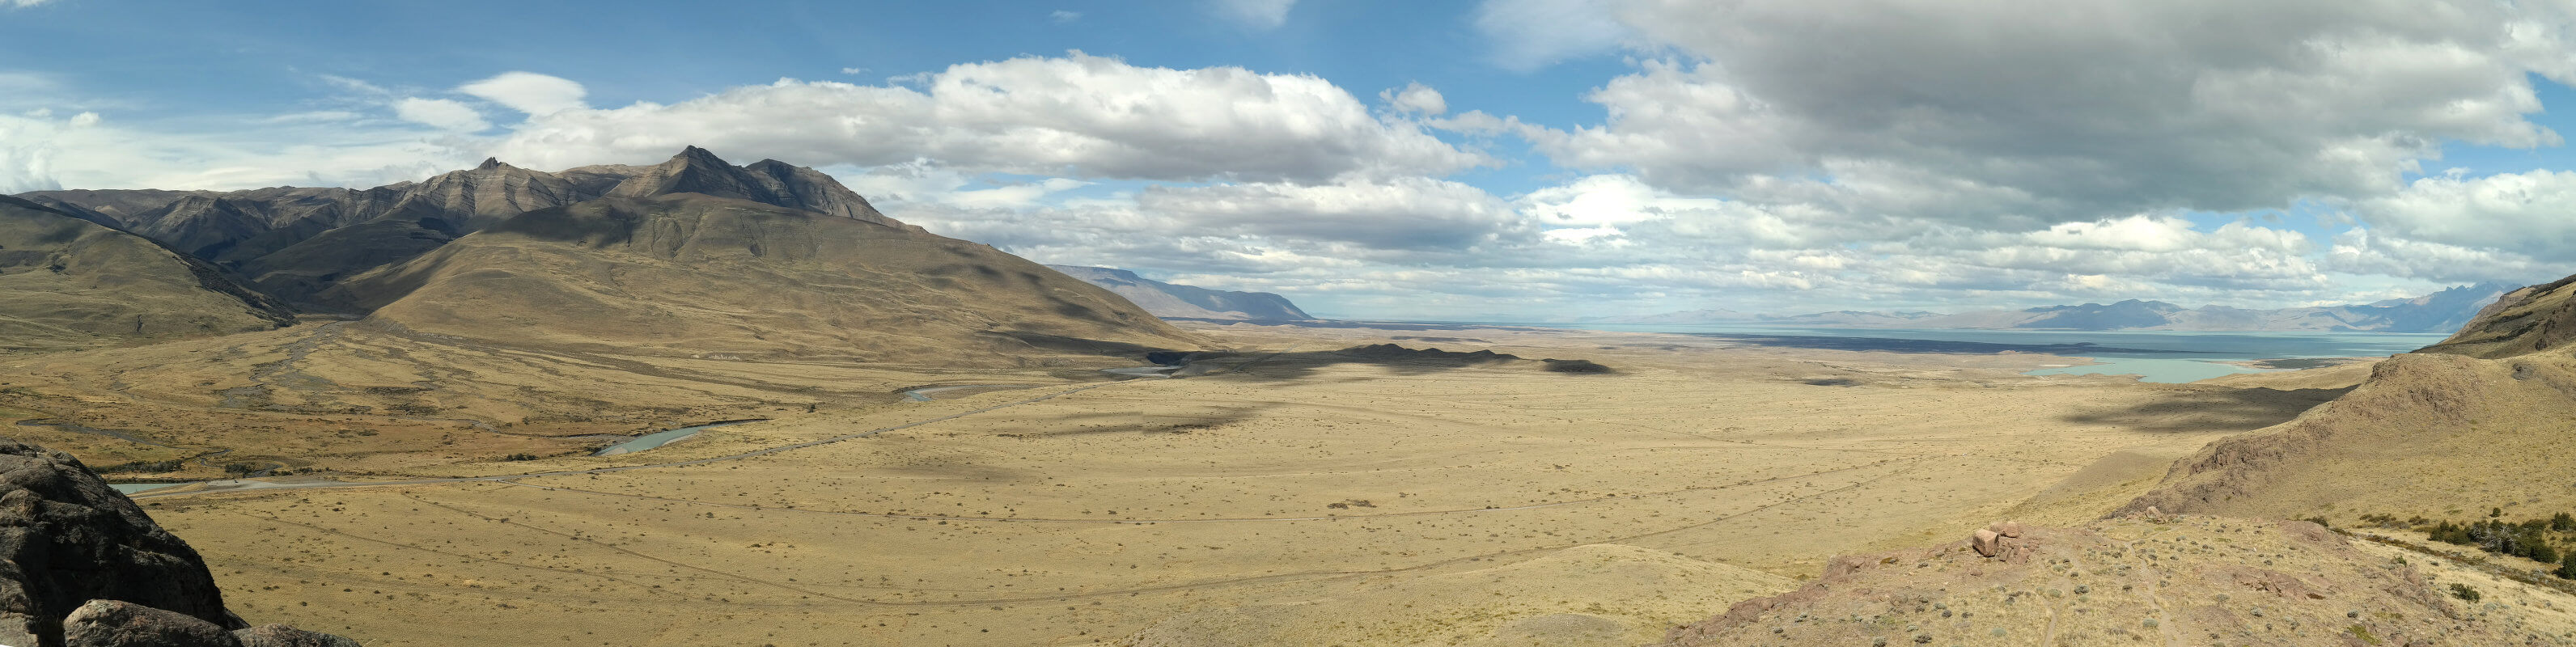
(701, 275)
(1188, 302)
(66, 282)
(2443, 311)
(298, 242)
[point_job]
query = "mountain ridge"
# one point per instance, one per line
(296, 242)
(1171, 300)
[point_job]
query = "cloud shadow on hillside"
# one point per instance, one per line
(2211, 409)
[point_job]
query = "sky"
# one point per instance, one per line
(1501, 160)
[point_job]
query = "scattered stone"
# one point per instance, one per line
(2006, 528)
(285, 636)
(1986, 542)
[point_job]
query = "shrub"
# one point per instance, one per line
(519, 457)
(2567, 568)
(2465, 593)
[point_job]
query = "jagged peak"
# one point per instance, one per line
(490, 163)
(695, 154)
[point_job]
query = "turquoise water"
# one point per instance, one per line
(2152, 355)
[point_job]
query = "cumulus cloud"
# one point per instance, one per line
(1078, 116)
(1258, 14)
(2091, 108)
(1530, 34)
(1405, 213)
(529, 92)
(2525, 213)
(1415, 98)
(443, 114)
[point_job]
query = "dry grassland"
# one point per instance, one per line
(1292, 497)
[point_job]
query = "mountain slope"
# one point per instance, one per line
(2466, 424)
(67, 282)
(691, 274)
(1188, 302)
(297, 242)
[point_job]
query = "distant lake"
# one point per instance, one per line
(2152, 355)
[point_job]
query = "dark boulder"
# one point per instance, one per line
(110, 623)
(66, 538)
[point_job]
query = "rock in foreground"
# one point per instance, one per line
(83, 562)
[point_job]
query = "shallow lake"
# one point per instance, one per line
(2152, 355)
(130, 488)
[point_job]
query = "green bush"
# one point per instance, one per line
(2465, 593)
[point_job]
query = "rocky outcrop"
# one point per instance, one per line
(82, 566)
(112, 623)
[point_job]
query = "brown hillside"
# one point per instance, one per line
(2144, 581)
(66, 282)
(2475, 423)
(697, 275)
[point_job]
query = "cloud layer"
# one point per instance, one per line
(1754, 154)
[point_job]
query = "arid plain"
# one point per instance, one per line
(1294, 490)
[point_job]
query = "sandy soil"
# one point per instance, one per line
(1293, 496)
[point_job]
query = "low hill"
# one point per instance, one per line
(2474, 423)
(2189, 580)
(700, 275)
(1187, 302)
(67, 282)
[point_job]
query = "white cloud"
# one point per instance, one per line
(1079, 116)
(854, 70)
(1405, 213)
(2526, 213)
(1530, 34)
(1259, 14)
(22, 4)
(1061, 16)
(2085, 109)
(443, 114)
(529, 92)
(1415, 98)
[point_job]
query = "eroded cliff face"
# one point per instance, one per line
(82, 566)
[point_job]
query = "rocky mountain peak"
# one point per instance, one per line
(490, 163)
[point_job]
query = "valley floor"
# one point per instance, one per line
(1291, 495)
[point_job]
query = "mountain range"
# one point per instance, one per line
(296, 242)
(1188, 302)
(693, 256)
(2439, 312)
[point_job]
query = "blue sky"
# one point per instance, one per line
(1520, 159)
